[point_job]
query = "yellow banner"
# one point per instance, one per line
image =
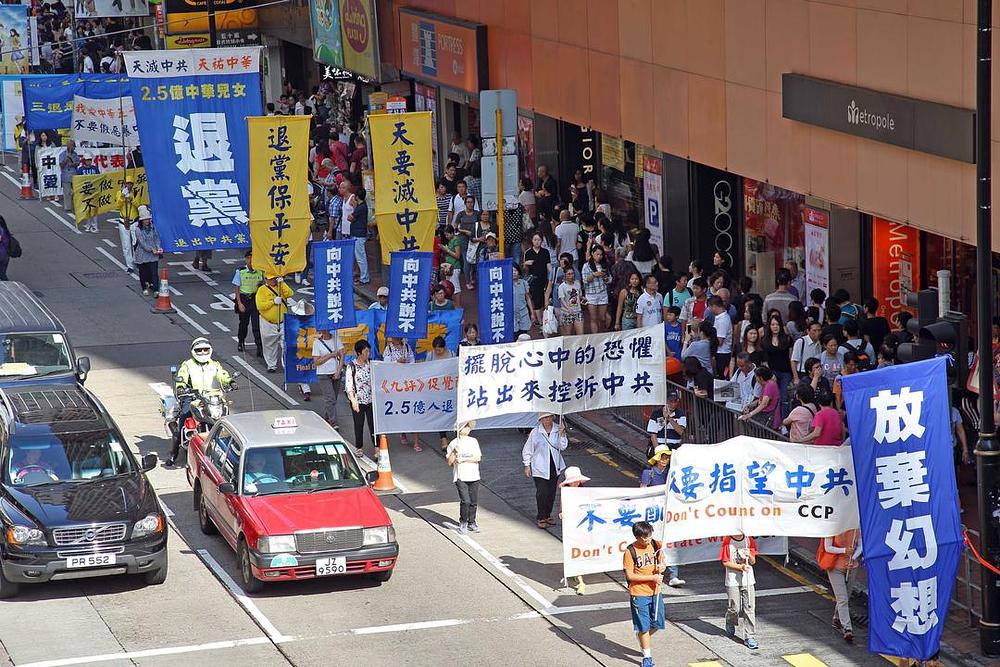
(405, 201)
(279, 193)
(98, 193)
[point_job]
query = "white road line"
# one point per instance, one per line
(191, 272)
(166, 510)
(200, 329)
(196, 308)
(235, 339)
(110, 243)
(116, 262)
(263, 378)
(11, 179)
(404, 627)
(241, 597)
(503, 569)
(63, 220)
(150, 653)
(232, 260)
(7, 167)
(221, 327)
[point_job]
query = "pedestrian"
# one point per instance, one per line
(536, 265)
(838, 556)
(573, 477)
(443, 205)
(643, 565)
(398, 350)
(523, 307)
(780, 297)
(799, 420)
(88, 168)
(128, 211)
(766, 409)
(626, 318)
(336, 195)
(738, 555)
(467, 223)
(271, 305)
(724, 335)
(68, 163)
(463, 455)
(570, 308)
(832, 358)
(148, 252)
(381, 299)
(543, 463)
(595, 281)
(777, 347)
(827, 425)
(667, 425)
(245, 282)
(328, 357)
(357, 219)
(358, 387)
(9, 247)
(649, 305)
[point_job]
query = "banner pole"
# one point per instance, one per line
(500, 202)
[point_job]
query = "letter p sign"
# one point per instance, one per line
(653, 213)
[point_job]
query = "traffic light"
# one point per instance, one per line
(950, 335)
(926, 302)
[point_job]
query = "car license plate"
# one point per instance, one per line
(90, 560)
(328, 566)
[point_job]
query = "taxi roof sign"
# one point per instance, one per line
(284, 422)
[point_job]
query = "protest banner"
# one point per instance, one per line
(191, 107)
(110, 121)
(760, 487)
(98, 193)
(409, 290)
(421, 398)
(333, 270)
(597, 528)
(48, 99)
(12, 107)
(47, 166)
(279, 194)
(902, 446)
(300, 334)
(562, 375)
(405, 202)
(371, 327)
(495, 282)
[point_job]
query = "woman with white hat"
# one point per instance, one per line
(543, 463)
(574, 477)
(463, 455)
(148, 252)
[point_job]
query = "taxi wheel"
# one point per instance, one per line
(251, 584)
(204, 521)
(382, 577)
(8, 588)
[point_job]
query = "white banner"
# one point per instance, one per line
(760, 487)
(189, 62)
(597, 529)
(112, 8)
(104, 121)
(817, 244)
(13, 109)
(562, 375)
(422, 398)
(50, 174)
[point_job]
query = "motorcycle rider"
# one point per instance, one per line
(200, 374)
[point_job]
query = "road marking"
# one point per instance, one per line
(710, 663)
(263, 378)
(197, 309)
(241, 597)
(73, 228)
(803, 660)
(200, 329)
(116, 262)
(405, 627)
(795, 576)
(150, 653)
(191, 272)
(232, 260)
(7, 167)
(605, 459)
(221, 327)
(110, 243)
(166, 510)
(11, 179)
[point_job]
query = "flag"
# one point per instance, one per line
(333, 271)
(495, 283)
(409, 294)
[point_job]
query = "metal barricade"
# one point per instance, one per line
(968, 590)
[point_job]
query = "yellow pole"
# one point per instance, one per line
(500, 180)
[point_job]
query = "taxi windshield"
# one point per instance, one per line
(33, 354)
(313, 467)
(74, 457)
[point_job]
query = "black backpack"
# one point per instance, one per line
(635, 556)
(13, 247)
(864, 361)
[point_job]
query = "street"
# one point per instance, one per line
(489, 598)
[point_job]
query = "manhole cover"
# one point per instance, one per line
(100, 278)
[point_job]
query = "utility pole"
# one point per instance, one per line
(212, 37)
(987, 449)
(500, 201)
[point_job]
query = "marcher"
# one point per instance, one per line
(656, 475)
(643, 565)
(463, 455)
(543, 462)
(398, 350)
(128, 210)
(837, 556)
(148, 252)
(358, 387)
(328, 356)
(6, 246)
(88, 168)
(68, 163)
(439, 350)
(574, 477)
(381, 299)
(738, 555)
(271, 305)
(246, 282)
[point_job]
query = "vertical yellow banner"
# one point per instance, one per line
(279, 193)
(405, 202)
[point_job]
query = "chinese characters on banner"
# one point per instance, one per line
(562, 375)
(191, 107)
(300, 334)
(48, 99)
(900, 427)
(422, 398)
(279, 194)
(760, 487)
(371, 327)
(49, 173)
(333, 266)
(409, 290)
(495, 280)
(405, 203)
(597, 528)
(110, 121)
(98, 193)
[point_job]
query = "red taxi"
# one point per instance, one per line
(284, 489)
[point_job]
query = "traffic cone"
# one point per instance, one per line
(384, 481)
(26, 192)
(163, 304)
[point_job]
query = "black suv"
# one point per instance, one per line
(74, 502)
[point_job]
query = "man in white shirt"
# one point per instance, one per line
(566, 231)
(805, 348)
(649, 305)
(743, 376)
(328, 355)
(458, 203)
(724, 332)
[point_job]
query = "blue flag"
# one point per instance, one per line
(902, 446)
(333, 269)
(299, 332)
(48, 99)
(495, 282)
(195, 140)
(409, 293)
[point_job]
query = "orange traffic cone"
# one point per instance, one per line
(384, 481)
(163, 304)
(26, 192)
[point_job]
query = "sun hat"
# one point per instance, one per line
(659, 453)
(543, 415)
(573, 475)
(382, 291)
(144, 212)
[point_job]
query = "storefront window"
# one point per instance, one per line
(774, 231)
(620, 181)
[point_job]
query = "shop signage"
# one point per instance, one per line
(928, 127)
(613, 152)
(187, 16)
(719, 210)
(588, 154)
(443, 50)
(652, 194)
(895, 266)
(817, 250)
(359, 32)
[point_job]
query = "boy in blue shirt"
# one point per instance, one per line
(673, 331)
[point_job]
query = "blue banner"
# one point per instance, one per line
(195, 143)
(409, 294)
(495, 282)
(371, 327)
(48, 99)
(299, 332)
(902, 446)
(333, 270)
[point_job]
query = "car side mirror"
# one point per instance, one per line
(82, 368)
(149, 462)
(371, 476)
(227, 488)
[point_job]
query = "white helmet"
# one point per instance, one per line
(201, 350)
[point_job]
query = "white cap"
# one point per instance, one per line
(144, 212)
(382, 291)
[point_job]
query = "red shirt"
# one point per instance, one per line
(831, 427)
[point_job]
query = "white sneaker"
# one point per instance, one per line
(145, 292)
(676, 582)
